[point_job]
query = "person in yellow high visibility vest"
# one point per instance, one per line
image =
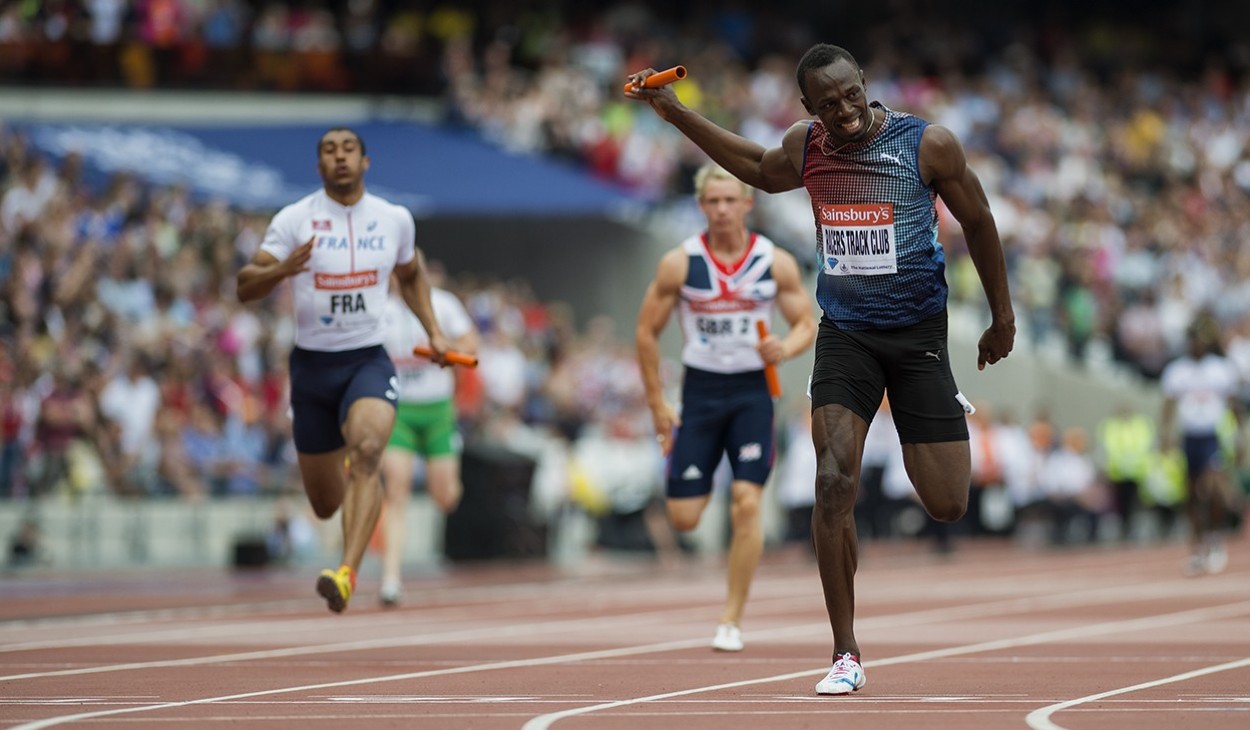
(1126, 440)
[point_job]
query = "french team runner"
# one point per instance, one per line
(338, 246)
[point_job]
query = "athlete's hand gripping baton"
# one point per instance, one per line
(770, 370)
(451, 356)
(658, 79)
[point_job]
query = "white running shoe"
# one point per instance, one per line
(846, 676)
(390, 595)
(728, 638)
(1217, 558)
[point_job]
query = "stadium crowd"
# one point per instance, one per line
(1113, 146)
(1116, 161)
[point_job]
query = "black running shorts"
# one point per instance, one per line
(855, 368)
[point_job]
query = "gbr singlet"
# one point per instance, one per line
(340, 300)
(881, 265)
(720, 305)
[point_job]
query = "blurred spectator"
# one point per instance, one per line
(1019, 463)
(622, 463)
(1126, 443)
(292, 536)
(24, 202)
(1075, 497)
(132, 399)
(66, 416)
(874, 513)
(906, 516)
(25, 548)
(11, 418)
(796, 475)
(986, 490)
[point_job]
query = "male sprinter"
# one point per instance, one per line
(874, 175)
(339, 246)
(722, 281)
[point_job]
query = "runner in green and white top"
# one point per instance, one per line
(425, 425)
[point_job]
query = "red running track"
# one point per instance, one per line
(991, 637)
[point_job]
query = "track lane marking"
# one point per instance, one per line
(1039, 719)
(1002, 607)
(543, 722)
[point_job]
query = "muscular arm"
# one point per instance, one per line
(796, 306)
(657, 307)
(264, 272)
(944, 166)
(772, 170)
(414, 287)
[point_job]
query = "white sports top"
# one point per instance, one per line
(1201, 389)
(720, 305)
(421, 381)
(339, 300)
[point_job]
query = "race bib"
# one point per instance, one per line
(344, 300)
(726, 328)
(858, 239)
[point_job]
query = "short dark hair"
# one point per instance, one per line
(359, 140)
(819, 56)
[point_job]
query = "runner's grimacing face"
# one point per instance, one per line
(340, 161)
(836, 94)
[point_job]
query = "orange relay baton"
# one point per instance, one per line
(770, 370)
(658, 79)
(452, 357)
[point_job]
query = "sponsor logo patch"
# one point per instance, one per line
(354, 280)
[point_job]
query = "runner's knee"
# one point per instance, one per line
(835, 490)
(365, 453)
(948, 506)
(447, 498)
(322, 507)
(746, 506)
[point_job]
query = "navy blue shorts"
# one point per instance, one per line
(721, 414)
(1202, 452)
(855, 368)
(324, 385)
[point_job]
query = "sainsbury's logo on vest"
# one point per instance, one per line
(354, 280)
(862, 214)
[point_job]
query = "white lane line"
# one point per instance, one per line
(759, 608)
(1050, 600)
(543, 722)
(489, 597)
(546, 720)
(1039, 719)
(787, 589)
(798, 585)
(512, 664)
(503, 607)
